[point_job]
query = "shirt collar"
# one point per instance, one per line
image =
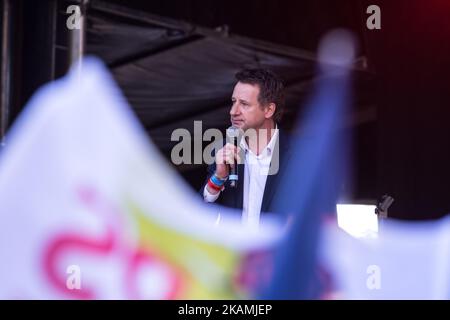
(267, 151)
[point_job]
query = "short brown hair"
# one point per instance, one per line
(271, 88)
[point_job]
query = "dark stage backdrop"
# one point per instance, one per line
(401, 128)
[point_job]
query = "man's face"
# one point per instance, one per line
(246, 112)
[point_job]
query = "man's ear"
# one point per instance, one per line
(270, 110)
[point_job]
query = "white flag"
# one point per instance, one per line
(408, 260)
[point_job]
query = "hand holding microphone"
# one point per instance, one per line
(228, 157)
(225, 159)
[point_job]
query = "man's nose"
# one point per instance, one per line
(234, 109)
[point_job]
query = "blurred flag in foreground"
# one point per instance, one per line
(90, 210)
(317, 260)
(315, 170)
(408, 260)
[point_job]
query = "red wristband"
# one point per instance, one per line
(214, 186)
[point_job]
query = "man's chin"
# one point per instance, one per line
(239, 125)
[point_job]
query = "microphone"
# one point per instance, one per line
(232, 137)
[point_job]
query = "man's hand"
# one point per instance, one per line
(225, 156)
(229, 154)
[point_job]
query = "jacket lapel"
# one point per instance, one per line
(268, 192)
(272, 182)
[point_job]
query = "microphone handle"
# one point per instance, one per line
(233, 177)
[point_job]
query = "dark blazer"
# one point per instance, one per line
(233, 197)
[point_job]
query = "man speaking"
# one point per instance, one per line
(256, 161)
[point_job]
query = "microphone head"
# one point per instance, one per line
(233, 132)
(234, 135)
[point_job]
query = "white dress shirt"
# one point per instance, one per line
(255, 177)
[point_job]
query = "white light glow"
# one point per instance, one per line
(360, 221)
